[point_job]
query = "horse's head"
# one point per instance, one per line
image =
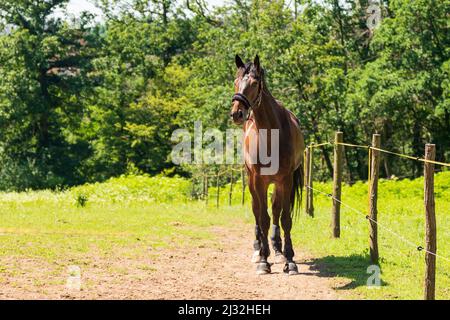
(247, 89)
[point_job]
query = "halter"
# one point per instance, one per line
(244, 100)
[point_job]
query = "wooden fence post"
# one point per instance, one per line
(218, 190)
(309, 208)
(337, 183)
(430, 224)
(243, 185)
(231, 187)
(373, 211)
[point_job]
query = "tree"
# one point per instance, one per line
(136, 100)
(404, 86)
(44, 63)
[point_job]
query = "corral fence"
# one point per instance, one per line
(374, 151)
(207, 179)
(374, 154)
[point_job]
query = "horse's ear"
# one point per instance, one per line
(257, 64)
(239, 63)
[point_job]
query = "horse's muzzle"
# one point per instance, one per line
(237, 116)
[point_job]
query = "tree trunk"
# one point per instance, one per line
(43, 125)
(417, 150)
(387, 171)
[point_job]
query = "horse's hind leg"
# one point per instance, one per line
(277, 204)
(286, 222)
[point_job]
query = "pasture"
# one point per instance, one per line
(143, 237)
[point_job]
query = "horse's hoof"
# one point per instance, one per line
(280, 258)
(263, 268)
(290, 268)
(256, 257)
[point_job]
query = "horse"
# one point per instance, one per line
(254, 107)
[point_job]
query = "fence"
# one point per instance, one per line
(374, 153)
(374, 150)
(215, 178)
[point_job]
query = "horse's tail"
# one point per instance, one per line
(296, 192)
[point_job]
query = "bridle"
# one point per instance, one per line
(245, 101)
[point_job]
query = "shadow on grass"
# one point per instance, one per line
(353, 267)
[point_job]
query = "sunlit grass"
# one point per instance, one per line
(132, 216)
(401, 210)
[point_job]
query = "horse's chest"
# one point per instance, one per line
(265, 148)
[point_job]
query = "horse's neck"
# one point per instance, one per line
(267, 114)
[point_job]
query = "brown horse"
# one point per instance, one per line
(259, 112)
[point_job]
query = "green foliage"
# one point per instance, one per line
(44, 63)
(94, 104)
(129, 189)
(136, 189)
(83, 101)
(81, 200)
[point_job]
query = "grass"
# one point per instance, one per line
(400, 211)
(53, 232)
(134, 215)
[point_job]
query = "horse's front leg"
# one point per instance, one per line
(264, 224)
(258, 190)
(256, 257)
(256, 208)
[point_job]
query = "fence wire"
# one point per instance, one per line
(369, 147)
(399, 236)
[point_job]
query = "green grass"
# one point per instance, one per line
(126, 215)
(53, 232)
(130, 215)
(401, 210)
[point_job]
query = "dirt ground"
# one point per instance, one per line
(215, 270)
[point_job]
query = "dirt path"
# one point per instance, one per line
(214, 270)
(227, 273)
